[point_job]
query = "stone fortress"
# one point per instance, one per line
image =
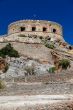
(26, 37)
(34, 28)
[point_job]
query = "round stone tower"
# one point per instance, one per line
(36, 27)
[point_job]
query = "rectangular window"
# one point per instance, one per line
(33, 28)
(22, 28)
(44, 29)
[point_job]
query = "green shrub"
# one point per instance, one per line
(65, 63)
(2, 55)
(2, 85)
(51, 46)
(52, 70)
(8, 50)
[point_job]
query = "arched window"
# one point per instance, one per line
(33, 28)
(54, 30)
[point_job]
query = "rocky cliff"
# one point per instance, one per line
(36, 57)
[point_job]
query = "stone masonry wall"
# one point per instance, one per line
(33, 28)
(35, 51)
(51, 28)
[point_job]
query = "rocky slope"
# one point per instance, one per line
(36, 59)
(31, 74)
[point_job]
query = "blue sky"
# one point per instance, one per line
(60, 11)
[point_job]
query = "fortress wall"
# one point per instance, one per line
(28, 24)
(3, 45)
(50, 88)
(33, 28)
(35, 51)
(52, 83)
(28, 37)
(18, 38)
(29, 44)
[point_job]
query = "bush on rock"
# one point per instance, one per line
(8, 50)
(65, 63)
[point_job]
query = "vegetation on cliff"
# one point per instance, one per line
(51, 46)
(52, 69)
(65, 63)
(9, 51)
(48, 43)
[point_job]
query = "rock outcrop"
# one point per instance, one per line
(3, 65)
